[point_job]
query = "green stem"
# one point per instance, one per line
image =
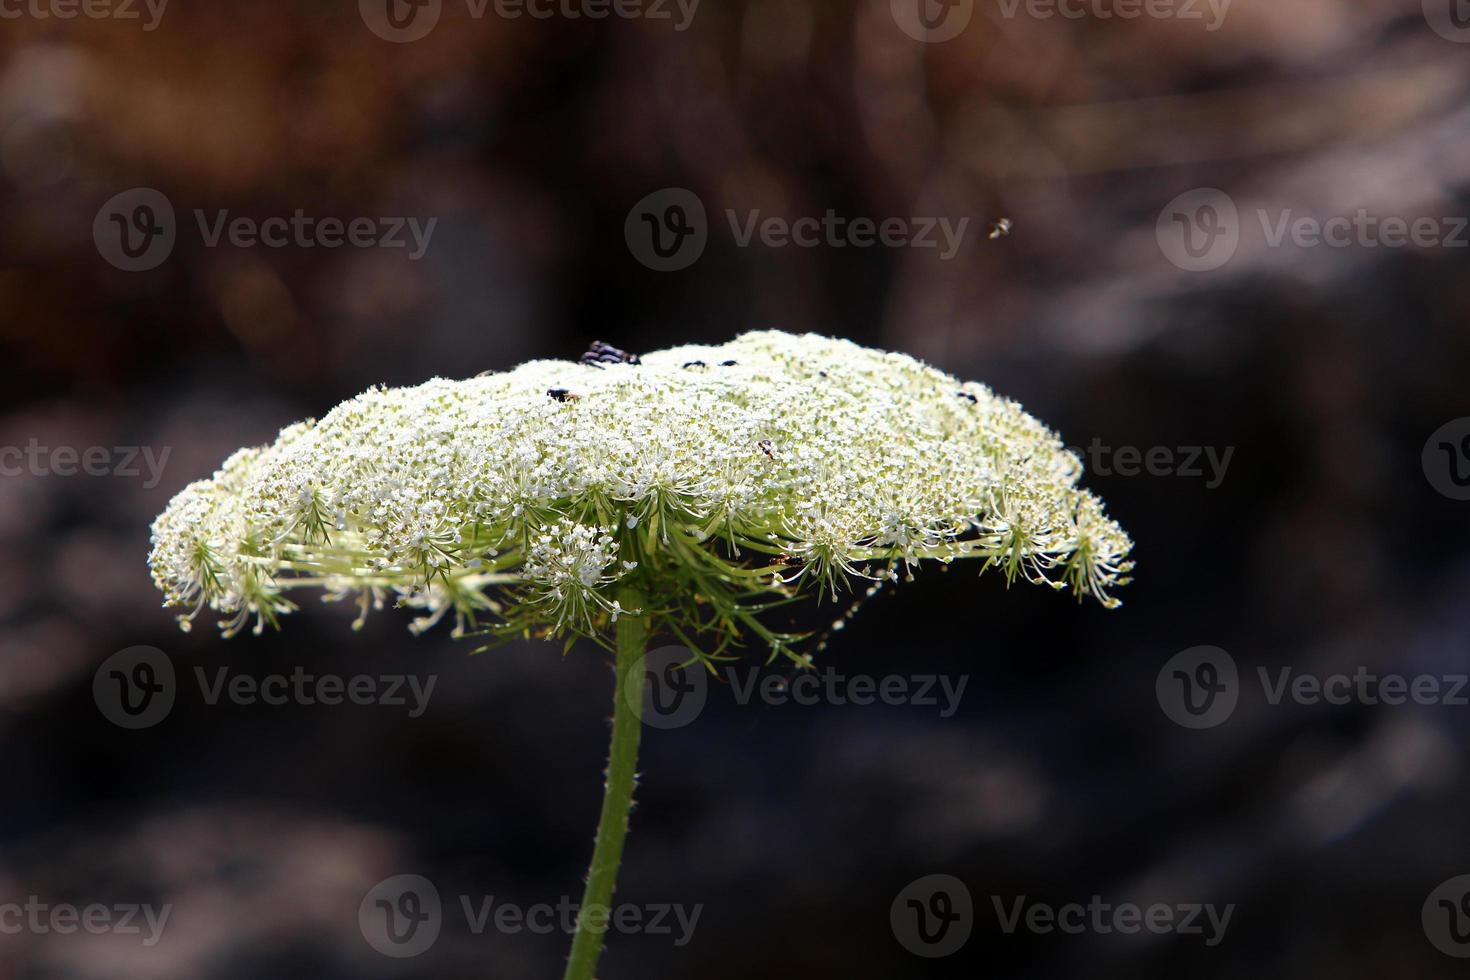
(617, 798)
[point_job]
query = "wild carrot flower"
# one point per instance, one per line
(684, 491)
(726, 477)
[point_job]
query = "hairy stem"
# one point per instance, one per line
(617, 798)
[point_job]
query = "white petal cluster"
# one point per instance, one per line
(708, 476)
(570, 563)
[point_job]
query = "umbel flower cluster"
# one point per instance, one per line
(718, 481)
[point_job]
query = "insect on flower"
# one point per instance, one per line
(599, 354)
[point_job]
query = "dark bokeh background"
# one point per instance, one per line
(1326, 546)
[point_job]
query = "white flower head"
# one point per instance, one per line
(716, 479)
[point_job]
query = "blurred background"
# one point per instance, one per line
(1132, 192)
